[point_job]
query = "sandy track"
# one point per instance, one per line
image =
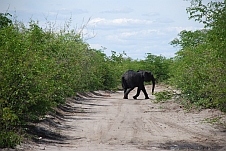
(108, 122)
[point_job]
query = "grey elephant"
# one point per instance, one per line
(132, 79)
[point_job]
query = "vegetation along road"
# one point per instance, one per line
(45, 69)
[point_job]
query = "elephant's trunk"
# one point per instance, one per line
(153, 84)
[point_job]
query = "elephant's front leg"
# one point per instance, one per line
(126, 92)
(145, 92)
(138, 93)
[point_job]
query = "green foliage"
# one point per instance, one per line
(9, 139)
(163, 96)
(199, 67)
(39, 69)
(4, 20)
(159, 65)
(8, 120)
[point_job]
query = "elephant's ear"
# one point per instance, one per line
(144, 75)
(147, 76)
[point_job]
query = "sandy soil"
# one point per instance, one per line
(104, 121)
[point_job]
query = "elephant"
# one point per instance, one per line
(132, 79)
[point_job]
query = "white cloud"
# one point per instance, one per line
(136, 27)
(141, 33)
(177, 29)
(96, 46)
(115, 38)
(119, 22)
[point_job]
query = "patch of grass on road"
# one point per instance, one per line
(163, 96)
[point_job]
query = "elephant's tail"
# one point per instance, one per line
(123, 82)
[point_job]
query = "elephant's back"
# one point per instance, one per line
(131, 78)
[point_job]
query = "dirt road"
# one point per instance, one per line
(105, 121)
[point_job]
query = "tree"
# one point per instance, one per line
(4, 20)
(199, 67)
(158, 65)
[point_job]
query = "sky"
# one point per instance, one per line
(136, 27)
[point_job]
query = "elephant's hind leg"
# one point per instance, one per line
(127, 92)
(125, 89)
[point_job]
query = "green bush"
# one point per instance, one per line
(199, 67)
(159, 66)
(163, 96)
(39, 69)
(9, 139)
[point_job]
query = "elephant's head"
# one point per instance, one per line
(148, 76)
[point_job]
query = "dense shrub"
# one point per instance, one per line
(39, 69)
(159, 65)
(199, 67)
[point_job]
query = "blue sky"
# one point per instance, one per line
(136, 27)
